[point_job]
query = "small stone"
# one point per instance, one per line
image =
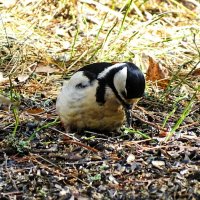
(130, 159)
(158, 164)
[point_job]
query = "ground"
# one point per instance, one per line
(43, 43)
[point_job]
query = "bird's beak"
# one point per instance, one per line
(128, 117)
(128, 109)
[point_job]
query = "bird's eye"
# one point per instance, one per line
(81, 85)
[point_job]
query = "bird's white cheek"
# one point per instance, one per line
(120, 81)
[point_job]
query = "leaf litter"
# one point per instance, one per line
(42, 43)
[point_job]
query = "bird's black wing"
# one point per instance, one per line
(93, 70)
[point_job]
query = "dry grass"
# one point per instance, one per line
(43, 31)
(45, 41)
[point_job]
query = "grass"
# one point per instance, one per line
(74, 43)
(185, 113)
(136, 132)
(167, 31)
(65, 35)
(45, 126)
(15, 110)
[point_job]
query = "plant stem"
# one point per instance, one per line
(181, 119)
(56, 121)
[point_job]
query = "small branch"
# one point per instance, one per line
(64, 134)
(149, 123)
(81, 144)
(16, 193)
(188, 125)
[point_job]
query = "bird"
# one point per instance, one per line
(100, 96)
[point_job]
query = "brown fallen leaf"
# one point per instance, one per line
(130, 158)
(154, 71)
(2, 79)
(5, 100)
(158, 164)
(22, 78)
(34, 111)
(156, 74)
(196, 72)
(163, 83)
(96, 157)
(163, 133)
(45, 69)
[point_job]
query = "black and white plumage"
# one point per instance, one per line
(100, 96)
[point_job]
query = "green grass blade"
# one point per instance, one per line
(130, 130)
(181, 119)
(56, 121)
(125, 15)
(74, 43)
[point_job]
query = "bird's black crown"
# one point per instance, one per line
(135, 82)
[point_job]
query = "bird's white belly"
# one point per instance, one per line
(78, 109)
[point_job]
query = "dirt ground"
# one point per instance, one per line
(40, 47)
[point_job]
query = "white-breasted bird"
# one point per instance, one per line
(100, 96)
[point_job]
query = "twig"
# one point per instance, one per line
(170, 146)
(149, 123)
(81, 144)
(17, 193)
(75, 142)
(65, 134)
(98, 134)
(135, 142)
(188, 125)
(43, 151)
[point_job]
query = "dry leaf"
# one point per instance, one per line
(4, 100)
(22, 78)
(163, 133)
(156, 74)
(154, 71)
(158, 164)
(2, 79)
(196, 72)
(8, 3)
(190, 137)
(163, 83)
(45, 69)
(95, 157)
(34, 111)
(113, 179)
(130, 158)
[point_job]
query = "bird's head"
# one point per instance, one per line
(129, 86)
(126, 81)
(129, 83)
